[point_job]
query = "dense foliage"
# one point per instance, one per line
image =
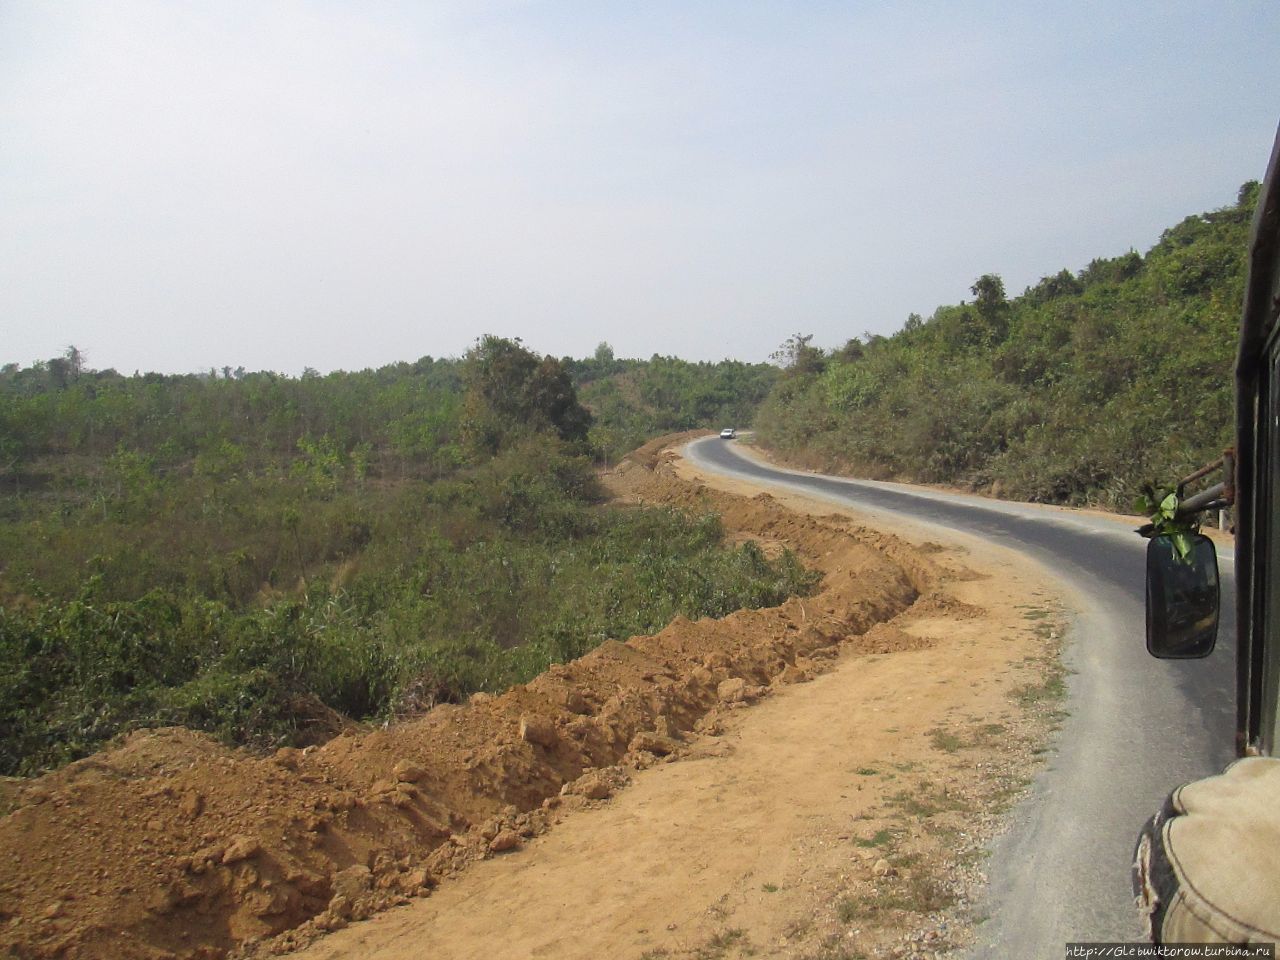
(261, 556)
(634, 400)
(1078, 391)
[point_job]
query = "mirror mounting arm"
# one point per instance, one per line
(1222, 494)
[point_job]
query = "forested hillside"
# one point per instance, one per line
(264, 556)
(633, 400)
(1080, 390)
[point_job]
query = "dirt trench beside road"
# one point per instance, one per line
(839, 759)
(840, 816)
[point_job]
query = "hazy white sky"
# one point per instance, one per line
(341, 185)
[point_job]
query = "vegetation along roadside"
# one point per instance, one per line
(1065, 394)
(267, 558)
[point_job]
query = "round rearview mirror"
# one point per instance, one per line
(1182, 596)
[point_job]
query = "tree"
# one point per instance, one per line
(1247, 195)
(851, 351)
(988, 290)
(797, 358)
(76, 361)
(59, 370)
(992, 307)
(509, 390)
(1064, 283)
(551, 395)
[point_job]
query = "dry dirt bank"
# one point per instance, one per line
(838, 818)
(173, 846)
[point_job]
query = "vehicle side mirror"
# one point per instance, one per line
(1182, 597)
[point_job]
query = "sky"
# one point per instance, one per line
(339, 185)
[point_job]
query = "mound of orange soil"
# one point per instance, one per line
(171, 845)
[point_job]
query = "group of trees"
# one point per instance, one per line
(1080, 390)
(412, 416)
(634, 400)
(247, 552)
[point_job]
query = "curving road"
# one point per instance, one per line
(1136, 726)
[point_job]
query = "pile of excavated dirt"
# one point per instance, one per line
(171, 845)
(843, 817)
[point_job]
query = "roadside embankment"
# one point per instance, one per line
(170, 845)
(843, 815)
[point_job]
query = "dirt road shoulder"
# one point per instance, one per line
(843, 815)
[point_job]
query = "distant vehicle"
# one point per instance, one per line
(728, 433)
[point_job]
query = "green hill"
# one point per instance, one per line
(636, 400)
(1078, 391)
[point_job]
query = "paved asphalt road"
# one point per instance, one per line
(1136, 727)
